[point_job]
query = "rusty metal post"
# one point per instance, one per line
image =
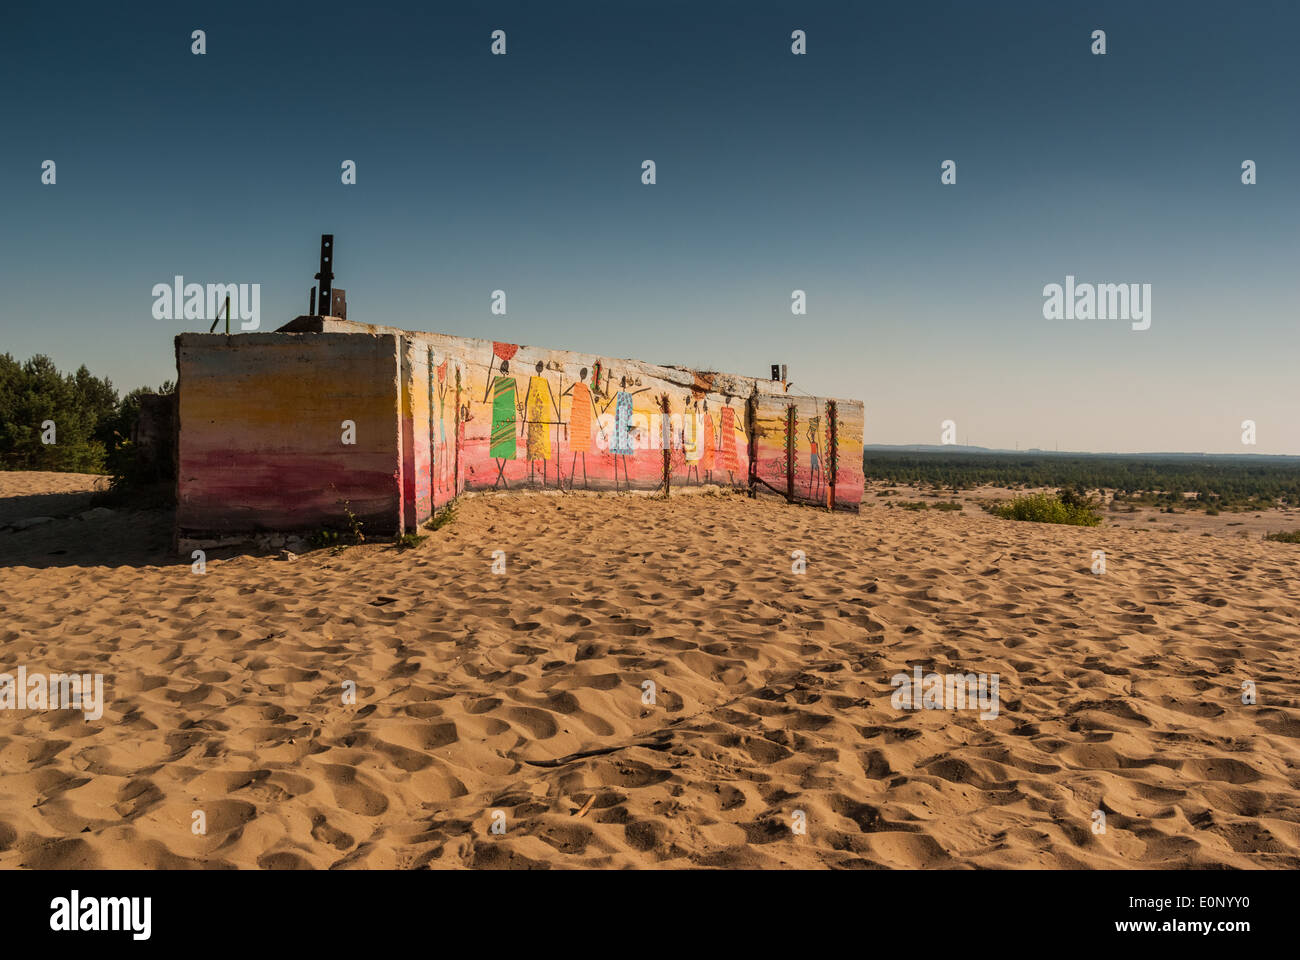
(751, 443)
(665, 440)
(455, 474)
(791, 424)
(832, 455)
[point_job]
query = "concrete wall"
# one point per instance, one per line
(260, 433)
(448, 395)
(417, 449)
(809, 449)
(154, 436)
(433, 392)
(436, 415)
(551, 418)
(525, 397)
(851, 427)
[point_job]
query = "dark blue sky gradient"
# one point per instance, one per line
(775, 172)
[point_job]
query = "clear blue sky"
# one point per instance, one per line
(775, 172)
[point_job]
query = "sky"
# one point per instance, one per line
(775, 172)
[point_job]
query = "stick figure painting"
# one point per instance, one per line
(504, 411)
(538, 410)
(623, 443)
(582, 412)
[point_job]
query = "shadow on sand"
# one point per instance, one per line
(79, 536)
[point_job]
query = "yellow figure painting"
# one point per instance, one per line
(540, 407)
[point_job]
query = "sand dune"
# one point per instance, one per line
(522, 693)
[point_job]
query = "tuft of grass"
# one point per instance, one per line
(1284, 537)
(323, 538)
(922, 505)
(350, 532)
(1049, 508)
(714, 490)
(408, 540)
(443, 517)
(354, 524)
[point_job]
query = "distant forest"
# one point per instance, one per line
(1218, 482)
(63, 421)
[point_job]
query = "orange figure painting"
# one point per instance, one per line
(727, 448)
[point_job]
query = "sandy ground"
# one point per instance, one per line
(35, 494)
(522, 693)
(1243, 524)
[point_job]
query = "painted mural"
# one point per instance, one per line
(437, 415)
(806, 449)
(850, 426)
(505, 416)
(262, 433)
(448, 406)
(542, 419)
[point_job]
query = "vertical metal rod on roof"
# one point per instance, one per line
(326, 274)
(227, 314)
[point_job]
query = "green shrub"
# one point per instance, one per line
(1049, 508)
(443, 517)
(323, 538)
(922, 505)
(354, 523)
(1292, 537)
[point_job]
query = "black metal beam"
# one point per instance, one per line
(326, 275)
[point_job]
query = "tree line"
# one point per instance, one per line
(72, 422)
(1161, 480)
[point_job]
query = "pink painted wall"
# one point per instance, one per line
(260, 439)
(437, 415)
(812, 448)
(562, 428)
(851, 416)
(417, 451)
(549, 445)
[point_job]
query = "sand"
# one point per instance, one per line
(1229, 523)
(522, 693)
